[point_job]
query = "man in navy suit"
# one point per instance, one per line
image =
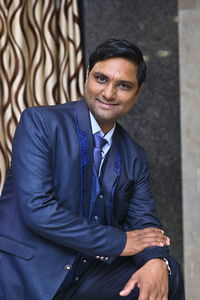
(77, 219)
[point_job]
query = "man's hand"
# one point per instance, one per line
(138, 240)
(151, 279)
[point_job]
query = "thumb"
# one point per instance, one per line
(130, 285)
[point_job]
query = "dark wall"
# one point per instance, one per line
(154, 121)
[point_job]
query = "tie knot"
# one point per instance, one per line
(99, 142)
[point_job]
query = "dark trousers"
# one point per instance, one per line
(104, 282)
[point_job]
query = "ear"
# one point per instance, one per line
(138, 93)
(87, 72)
(139, 90)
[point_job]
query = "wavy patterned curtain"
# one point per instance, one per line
(40, 61)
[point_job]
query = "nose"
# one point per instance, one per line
(109, 92)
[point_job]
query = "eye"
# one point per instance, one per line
(100, 78)
(124, 86)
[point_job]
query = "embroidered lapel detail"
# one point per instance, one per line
(86, 153)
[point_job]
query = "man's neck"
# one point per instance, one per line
(105, 128)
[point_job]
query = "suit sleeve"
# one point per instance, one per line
(34, 186)
(141, 212)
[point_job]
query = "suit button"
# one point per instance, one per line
(96, 218)
(98, 257)
(84, 260)
(77, 278)
(101, 196)
(68, 267)
(106, 258)
(102, 257)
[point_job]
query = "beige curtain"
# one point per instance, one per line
(40, 61)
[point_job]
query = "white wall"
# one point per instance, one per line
(189, 49)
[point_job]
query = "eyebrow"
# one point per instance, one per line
(118, 81)
(100, 74)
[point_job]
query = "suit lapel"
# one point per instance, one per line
(113, 166)
(110, 178)
(86, 151)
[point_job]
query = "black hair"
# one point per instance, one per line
(120, 48)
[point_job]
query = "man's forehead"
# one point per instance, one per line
(116, 68)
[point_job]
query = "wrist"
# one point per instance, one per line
(167, 265)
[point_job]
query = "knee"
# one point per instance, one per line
(176, 285)
(175, 270)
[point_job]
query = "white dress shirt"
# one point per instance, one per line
(108, 137)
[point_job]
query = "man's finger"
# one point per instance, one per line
(130, 285)
(152, 229)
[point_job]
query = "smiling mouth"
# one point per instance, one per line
(107, 104)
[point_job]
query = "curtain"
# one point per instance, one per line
(40, 61)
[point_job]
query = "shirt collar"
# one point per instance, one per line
(96, 128)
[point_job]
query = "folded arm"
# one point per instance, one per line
(146, 243)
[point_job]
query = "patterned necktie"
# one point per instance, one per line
(99, 142)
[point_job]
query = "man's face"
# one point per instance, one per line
(111, 89)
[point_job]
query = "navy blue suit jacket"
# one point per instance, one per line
(45, 203)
